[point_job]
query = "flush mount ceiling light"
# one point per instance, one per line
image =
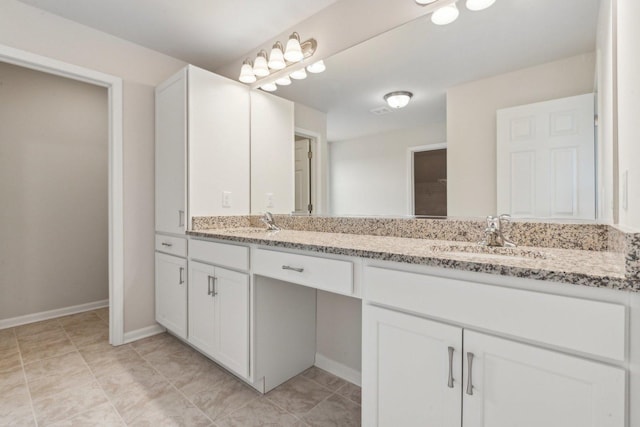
(280, 59)
(479, 4)
(425, 2)
(445, 15)
(398, 99)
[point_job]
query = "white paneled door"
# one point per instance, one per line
(510, 384)
(546, 159)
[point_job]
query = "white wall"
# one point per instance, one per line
(628, 57)
(312, 122)
(30, 29)
(53, 185)
(471, 124)
(369, 176)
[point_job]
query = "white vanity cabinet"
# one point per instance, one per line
(219, 310)
(417, 371)
(171, 293)
(202, 144)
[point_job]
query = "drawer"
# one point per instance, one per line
(171, 245)
(222, 254)
(322, 273)
(585, 326)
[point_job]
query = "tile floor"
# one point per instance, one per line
(63, 372)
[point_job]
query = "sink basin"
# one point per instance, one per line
(489, 251)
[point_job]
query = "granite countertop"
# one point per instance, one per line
(579, 267)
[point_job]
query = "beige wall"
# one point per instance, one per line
(141, 69)
(628, 16)
(53, 184)
(369, 176)
(471, 125)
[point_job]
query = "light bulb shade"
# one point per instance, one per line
(260, 68)
(293, 52)
(299, 74)
(425, 2)
(316, 67)
(445, 15)
(398, 99)
(269, 87)
(479, 4)
(246, 73)
(283, 81)
(276, 58)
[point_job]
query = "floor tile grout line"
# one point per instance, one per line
(94, 378)
(285, 410)
(26, 383)
(172, 384)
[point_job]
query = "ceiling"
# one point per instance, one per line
(206, 33)
(427, 59)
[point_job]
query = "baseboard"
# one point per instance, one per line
(141, 333)
(338, 369)
(51, 314)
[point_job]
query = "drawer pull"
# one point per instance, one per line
(469, 373)
(286, 267)
(450, 382)
(167, 244)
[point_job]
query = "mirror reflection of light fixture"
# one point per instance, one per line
(445, 15)
(260, 68)
(398, 99)
(283, 81)
(479, 4)
(300, 74)
(276, 58)
(316, 67)
(269, 87)
(293, 53)
(425, 2)
(246, 72)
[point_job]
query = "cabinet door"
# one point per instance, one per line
(201, 307)
(218, 145)
(231, 296)
(407, 370)
(171, 144)
(515, 384)
(171, 293)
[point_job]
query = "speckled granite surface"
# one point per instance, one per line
(581, 267)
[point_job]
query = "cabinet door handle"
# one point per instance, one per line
(469, 374)
(167, 244)
(181, 275)
(180, 218)
(213, 289)
(286, 267)
(209, 287)
(450, 381)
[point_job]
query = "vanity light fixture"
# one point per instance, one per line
(449, 13)
(300, 74)
(445, 15)
(283, 81)
(260, 67)
(316, 67)
(269, 87)
(280, 59)
(398, 99)
(246, 72)
(479, 4)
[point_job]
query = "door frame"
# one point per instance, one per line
(113, 85)
(410, 153)
(317, 174)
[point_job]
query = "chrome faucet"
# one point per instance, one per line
(493, 234)
(268, 220)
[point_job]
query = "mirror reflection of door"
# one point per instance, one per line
(303, 157)
(430, 182)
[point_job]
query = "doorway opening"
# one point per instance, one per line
(428, 180)
(306, 173)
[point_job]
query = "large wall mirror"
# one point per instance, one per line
(508, 95)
